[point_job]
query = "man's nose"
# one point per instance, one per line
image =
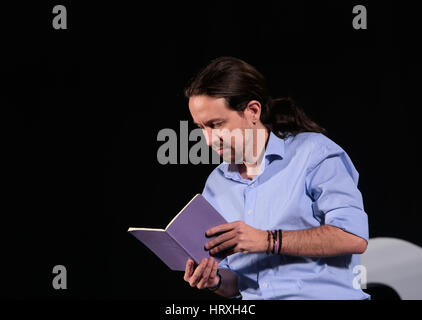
(208, 136)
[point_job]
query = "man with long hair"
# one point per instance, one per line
(296, 223)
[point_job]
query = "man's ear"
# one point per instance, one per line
(253, 111)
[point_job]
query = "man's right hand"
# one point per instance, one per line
(204, 275)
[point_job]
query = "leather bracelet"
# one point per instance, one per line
(274, 233)
(280, 238)
(269, 242)
(218, 285)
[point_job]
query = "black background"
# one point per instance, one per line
(82, 108)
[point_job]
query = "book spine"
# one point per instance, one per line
(180, 245)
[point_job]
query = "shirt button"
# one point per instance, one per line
(249, 211)
(252, 185)
(265, 285)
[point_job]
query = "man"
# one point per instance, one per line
(296, 225)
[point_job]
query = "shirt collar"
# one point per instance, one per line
(275, 146)
(274, 149)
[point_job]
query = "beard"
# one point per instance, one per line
(238, 146)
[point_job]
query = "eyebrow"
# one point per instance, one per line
(210, 121)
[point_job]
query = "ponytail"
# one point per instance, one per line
(285, 118)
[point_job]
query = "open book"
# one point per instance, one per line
(184, 236)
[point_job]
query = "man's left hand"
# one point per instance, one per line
(236, 237)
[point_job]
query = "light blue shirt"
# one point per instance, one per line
(305, 181)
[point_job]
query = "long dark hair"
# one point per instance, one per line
(238, 83)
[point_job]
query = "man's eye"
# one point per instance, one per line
(218, 124)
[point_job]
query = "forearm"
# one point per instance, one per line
(323, 241)
(229, 286)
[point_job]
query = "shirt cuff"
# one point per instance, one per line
(239, 296)
(352, 220)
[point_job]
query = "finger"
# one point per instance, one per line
(224, 246)
(198, 273)
(206, 273)
(221, 238)
(188, 269)
(213, 273)
(221, 228)
(231, 251)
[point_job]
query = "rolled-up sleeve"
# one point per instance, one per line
(332, 183)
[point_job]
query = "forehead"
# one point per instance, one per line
(204, 107)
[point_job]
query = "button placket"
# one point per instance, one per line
(250, 199)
